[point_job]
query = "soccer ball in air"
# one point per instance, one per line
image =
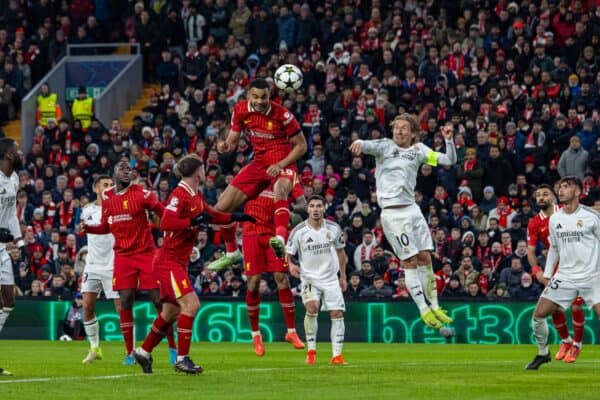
(288, 77)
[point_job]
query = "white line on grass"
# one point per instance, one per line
(70, 378)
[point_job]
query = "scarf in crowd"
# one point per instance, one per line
(469, 165)
(65, 213)
(503, 216)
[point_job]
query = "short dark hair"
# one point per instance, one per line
(259, 84)
(316, 197)
(571, 180)
(5, 145)
(188, 165)
(99, 178)
(545, 186)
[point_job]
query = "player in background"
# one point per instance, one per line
(575, 245)
(397, 164)
(186, 210)
(124, 209)
(319, 245)
(537, 231)
(277, 142)
(10, 162)
(98, 272)
(259, 258)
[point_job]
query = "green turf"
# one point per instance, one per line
(53, 370)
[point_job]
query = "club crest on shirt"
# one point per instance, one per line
(580, 223)
(269, 125)
(329, 235)
(125, 204)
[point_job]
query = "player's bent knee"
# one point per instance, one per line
(282, 281)
(410, 263)
(336, 314)
(424, 258)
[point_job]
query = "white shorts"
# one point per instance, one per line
(406, 231)
(329, 293)
(98, 282)
(562, 292)
(7, 276)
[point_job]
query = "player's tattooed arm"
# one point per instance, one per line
(230, 143)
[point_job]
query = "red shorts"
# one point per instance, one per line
(134, 272)
(259, 256)
(173, 280)
(578, 301)
(253, 178)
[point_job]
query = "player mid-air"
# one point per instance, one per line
(10, 229)
(98, 272)
(575, 246)
(538, 231)
(319, 246)
(124, 214)
(186, 210)
(277, 142)
(259, 258)
(397, 164)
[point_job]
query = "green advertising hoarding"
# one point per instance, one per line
(387, 322)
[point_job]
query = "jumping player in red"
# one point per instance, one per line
(124, 208)
(259, 258)
(537, 231)
(186, 210)
(278, 142)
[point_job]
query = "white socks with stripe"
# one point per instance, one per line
(427, 278)
(310, 329)
(540, 331)
(92, 332)
(338, 330)
(413, 283)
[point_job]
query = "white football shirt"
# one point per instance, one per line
(317, 250)
(576, 239)
(100, 256)
(8, 205)
(397, 168)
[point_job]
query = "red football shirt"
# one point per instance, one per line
(124, 215)
(537, 229)
(262, 209)
(269, 133)
(179, 236)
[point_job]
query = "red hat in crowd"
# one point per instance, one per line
(529, 160)
(502, 200)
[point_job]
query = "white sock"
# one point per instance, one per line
(310, 329)
(255, 333)
(427, 278)
(291, 330)
(91, 330)
(577, 344)
(4, 313)
(411, 276)
(540, 331)
(231, 253)
(338, 330)
(180, 358)
(567, 340)
(143, 352)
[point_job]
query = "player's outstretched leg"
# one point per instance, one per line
(427, 279)
(190, 305)
(253, 310)
(413, 283)
(232, 253)
(158, 331)
(338, 330)
(91, 327)
(281, 216)
(559, 320)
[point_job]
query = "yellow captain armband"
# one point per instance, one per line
(432, 158)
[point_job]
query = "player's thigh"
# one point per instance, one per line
(397, 228)
(309, 292)
(420, 229)
(91, 282)
(143, 264)
(560, 292)
(332, 298)
(590, 293)
(285, 181)
(125, 276)
(6, 270)
(249, 182)
(231, 198)
(255, 257)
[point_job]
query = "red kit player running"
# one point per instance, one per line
(259, 258)
(124, 208)
(278, 143)
(186, 210)
(537, 231)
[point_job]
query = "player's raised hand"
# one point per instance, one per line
(294, 270)
(356, 148)
(224, 146)
(448, 132)
(6, 236)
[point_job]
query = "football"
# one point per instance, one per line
(288, 77)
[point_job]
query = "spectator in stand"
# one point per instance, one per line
(573, 161)
(355, 286)
(511, 277)
(529, 290)
(379, 289)
(466, 273)
(498, 172)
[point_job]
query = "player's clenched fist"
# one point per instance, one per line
(356, 148)
(448, 131)
(224, 146)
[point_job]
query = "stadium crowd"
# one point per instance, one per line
(519, 81)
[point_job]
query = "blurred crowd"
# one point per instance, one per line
(519, 81)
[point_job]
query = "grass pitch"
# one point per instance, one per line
(53, 370)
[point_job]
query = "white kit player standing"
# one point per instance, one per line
(575, 245)
(10, 228)
(397, 164)
(98, 272)
(319, 244)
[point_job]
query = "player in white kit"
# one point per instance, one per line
(319, 245)
(575, 245)
(10, 229)
(98, 272)
(397, 164)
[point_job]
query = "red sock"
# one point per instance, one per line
(228, 233)
(578, 325)
(560, 323)
(171, 338)
(158, 330)
(253, 304)
(282, 218)
(126, 317)
(184, 334)
(286, 299)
